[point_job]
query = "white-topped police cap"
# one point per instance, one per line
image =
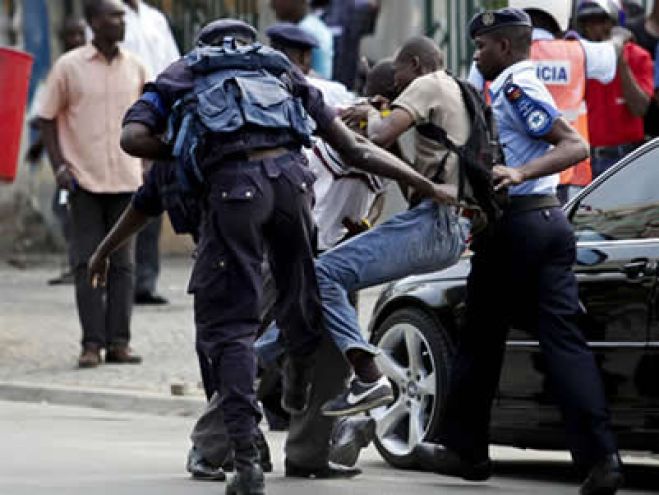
(214, 32)
(491, 20)
(289, 34)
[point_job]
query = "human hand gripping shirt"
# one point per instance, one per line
(525, 112)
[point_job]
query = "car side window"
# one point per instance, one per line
(623, 207)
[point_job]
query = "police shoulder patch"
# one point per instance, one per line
(535, 116)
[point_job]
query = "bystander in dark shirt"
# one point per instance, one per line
(350, 21)
(648, 42)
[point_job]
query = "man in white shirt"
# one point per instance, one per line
(149, 36)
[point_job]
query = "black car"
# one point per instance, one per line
(415, 322)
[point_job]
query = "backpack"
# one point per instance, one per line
(235, 87)
(477, 156)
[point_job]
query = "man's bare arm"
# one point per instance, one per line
(138, 140)
(61, 168)
(636, 100)
(360, 153)
(130, 222)
(569, 149)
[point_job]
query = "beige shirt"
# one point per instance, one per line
(88, 97)
(436, 97)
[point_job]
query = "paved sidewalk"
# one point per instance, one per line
(40, 334)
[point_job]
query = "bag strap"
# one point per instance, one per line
(439, 135)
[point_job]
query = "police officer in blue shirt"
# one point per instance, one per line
(531, 254)
(235, 113)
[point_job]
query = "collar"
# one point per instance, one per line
(540, 34)
(90, 52)
(517, 68)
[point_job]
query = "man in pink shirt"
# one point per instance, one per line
(86, 96)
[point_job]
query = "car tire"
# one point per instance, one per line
(418, 394)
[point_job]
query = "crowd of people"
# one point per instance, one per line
(277, 169)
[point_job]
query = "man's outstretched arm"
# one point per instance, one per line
(130, 222)
(360, 153)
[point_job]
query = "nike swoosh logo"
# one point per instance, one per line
(352, 399)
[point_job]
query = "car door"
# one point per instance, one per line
(616, 223)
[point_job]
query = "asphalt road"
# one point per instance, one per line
(58, 450)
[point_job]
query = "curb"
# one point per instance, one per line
(110, 400)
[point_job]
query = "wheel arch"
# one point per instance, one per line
(443, 316)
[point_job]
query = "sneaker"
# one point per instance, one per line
(360, 397)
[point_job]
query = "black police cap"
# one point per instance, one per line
(289, 34)
(491, 20)
(214, 32)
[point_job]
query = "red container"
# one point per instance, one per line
(15, 67)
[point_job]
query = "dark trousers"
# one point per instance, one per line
(523, 276)
(254, 208)
(104, 312)
(309, 434)
(147, 257)
(308, 441)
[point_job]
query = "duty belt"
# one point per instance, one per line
(529, 202)
(254, 155)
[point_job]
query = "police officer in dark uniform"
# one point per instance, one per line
(238, 115)
(531, 253)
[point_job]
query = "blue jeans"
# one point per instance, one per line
(427, 238)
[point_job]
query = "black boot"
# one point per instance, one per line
(296, 383)
(249, 479)
(604, 478)
(264, 455)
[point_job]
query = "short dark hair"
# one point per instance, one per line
(92, 8)
(520, 37)
(425, 49)
(380, 80)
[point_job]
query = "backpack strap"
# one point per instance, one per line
(438, 134)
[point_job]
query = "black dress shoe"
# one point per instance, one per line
(604, 478)
(247, 481)
(349, 437)
(200, 469)
(441, 460)
(122, 355)
(264, 455)
(149, 298)
(327, 472)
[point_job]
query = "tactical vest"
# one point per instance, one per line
(242, 99)
(561, 66)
